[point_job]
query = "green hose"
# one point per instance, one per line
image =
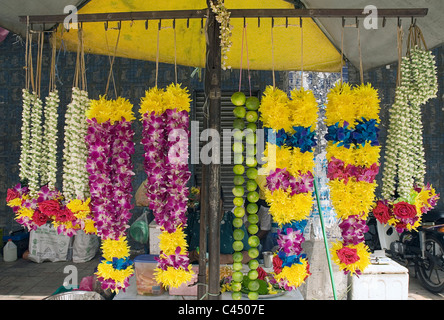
(327, 252)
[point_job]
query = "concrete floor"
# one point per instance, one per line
(26, 280)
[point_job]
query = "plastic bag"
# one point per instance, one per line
(85, 247)
(45, 244)
(139, 230)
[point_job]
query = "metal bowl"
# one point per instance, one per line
(76, 295)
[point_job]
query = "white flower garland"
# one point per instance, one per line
(75, 176)
(223, 17)
(25, 155)
(36, 144)
(404, 163)
(49, 161)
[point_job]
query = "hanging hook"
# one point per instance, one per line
(384, 20)
(146, 24)
(286, 22)
(300, 22)
(160, 24)
(174, 23)
(106, 25)
(399, 22)
(272, 22)
(258, 22)
(343, 22)
(188, 23)
(357, 22)
(244, 22)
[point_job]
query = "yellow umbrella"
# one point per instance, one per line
(137, 42)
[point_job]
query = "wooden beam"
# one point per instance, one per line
(234, 13)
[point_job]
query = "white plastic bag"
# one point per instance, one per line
(85, 247)
(45, 244)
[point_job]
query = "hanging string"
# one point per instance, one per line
(175, 53)
(39, 62)
(342, 51)
(272, 53)
(302, 54)
(52, 84)
(157, 53)
(31, 79)
(27, 56)
(112, 63)
(361, 71)
(242, 58)
(399, 44)
(248, 60)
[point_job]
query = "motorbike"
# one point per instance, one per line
(423, 249)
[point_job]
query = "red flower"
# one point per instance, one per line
(261, 273)
(277, 264)
(12, 194)
(49, 207)
(64, 215)
(381, 212)
(404, 210)
(39, 218)
(347, 255)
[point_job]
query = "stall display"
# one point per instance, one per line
(165, 134)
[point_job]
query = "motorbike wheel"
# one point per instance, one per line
(431, 269)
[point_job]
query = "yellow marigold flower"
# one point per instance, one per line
(353, 198)
(273, 109)
(15, 202)
(89, 226)
(115, 248)
(357, 156)
(295, 275)
(113, 110)
(107, 271)
(304, 108)
(25, 212)
(173, 277)
(99, 109)
(301, 161)
(340, 105)
(367, 102)
(177, 98)
(362, 252)
(276, 157)
(152, 101)
(286, 208)
(121, 108)
(168, 242)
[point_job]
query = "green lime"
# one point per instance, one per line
(239, 112)
(252, 208)
(237, 256)
(253, 229)
(253, 264)
(253, 285)
(238, 98)
(238, 201)
(238, 245)
(238, 234)
(237, 266)
(252, 103)
(253, 253)
(250, 138)
(239, 124)
(252, 196)
(252, 173)
(251, 116)
(253, 241)
(253, 218)
(251, 150)
(252, 295)
(237, 222)
(236, 286)
(238, 147)
(238, 191)
(237, 276)
(252, 126)
(238, 158)
(252, 274)
(237, 295)
(239, 212)
(238, 135)
(251, 185)
(238, 180)
(239, 169)
(251, 161)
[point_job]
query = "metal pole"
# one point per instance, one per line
(213, 96)
(327, 252)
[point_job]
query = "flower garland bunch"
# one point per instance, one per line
(290, 126)
(110, 147)
(353, 162)
(164, 114)
(36, 141)
(406, 213)
(75, 152)
(404, 159)
(25, 148)
(49, 162)
(223, 17)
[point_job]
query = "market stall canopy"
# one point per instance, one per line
(379, 46)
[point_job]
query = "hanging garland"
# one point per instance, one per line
(223, 18)
(290, 134)
(110, 146)
(165, 133)
(405, 197)
(353, 162)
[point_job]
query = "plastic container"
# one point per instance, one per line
(388, 281)
(145, 281)
(10, 251)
